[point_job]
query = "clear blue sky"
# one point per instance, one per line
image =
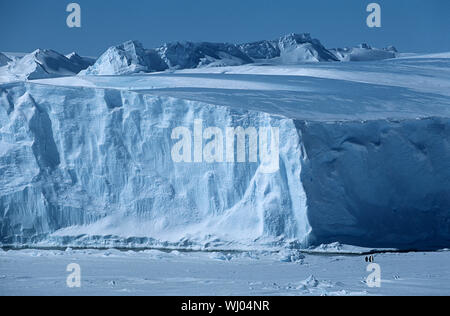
(410, 25)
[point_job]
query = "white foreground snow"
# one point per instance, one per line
(152, 272)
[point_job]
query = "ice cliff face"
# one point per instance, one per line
(93, 166)
(101, 158)
(384, 183)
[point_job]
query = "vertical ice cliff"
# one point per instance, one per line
(93, 166)
(96, 162)
(382, 183)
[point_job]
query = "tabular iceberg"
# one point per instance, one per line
(86, 160)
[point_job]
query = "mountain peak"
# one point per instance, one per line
(43, 63)
(4, 60)
(299, 38)
(131, 56)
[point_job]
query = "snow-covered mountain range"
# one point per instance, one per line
(42, 63)
(131, 57)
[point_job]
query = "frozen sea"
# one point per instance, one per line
(154, 272)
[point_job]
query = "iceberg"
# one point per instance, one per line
(86, 160)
